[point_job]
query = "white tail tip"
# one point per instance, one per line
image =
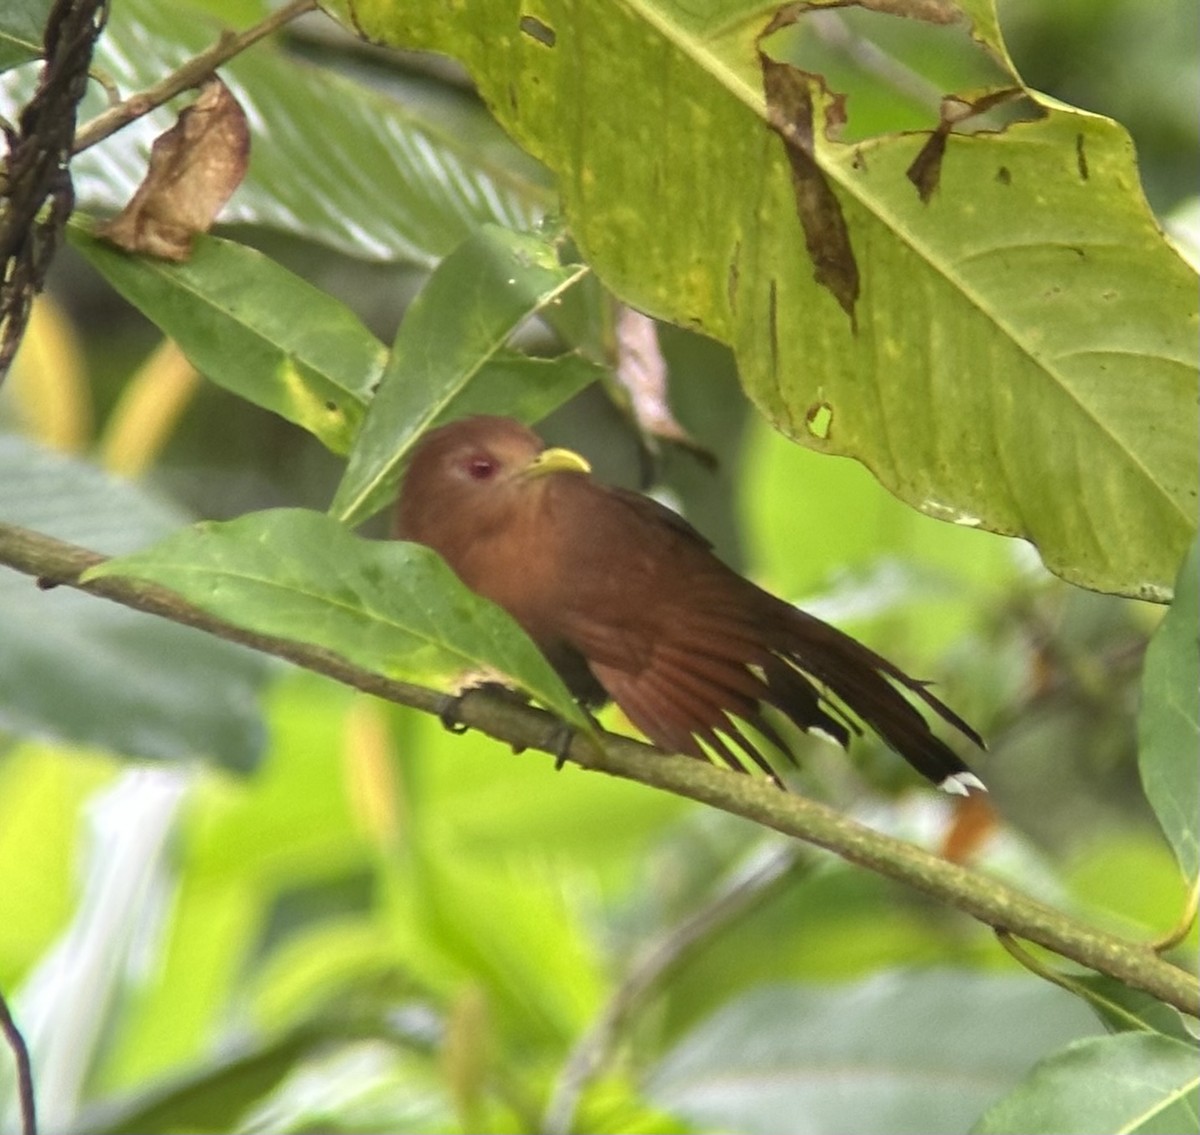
(960, 784)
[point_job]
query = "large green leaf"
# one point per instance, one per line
(898, 1053)
(1169, 723)
(21, 23)
(256, 329)
(389, 607)
(84, 671)
(1015, 352)
(331, 159)
(1131, 1084)
(458, 325)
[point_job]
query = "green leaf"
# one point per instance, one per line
(403, 176)
(464, 922)
(900, 1052)
(1020, 352)
(256, 329)
(85, 671)
(1169, 722)
(458, 324)
(1131, 1083)
(389, 607)
(519, 386)
(217, 1094)
(1123, 1009)
(21, 23)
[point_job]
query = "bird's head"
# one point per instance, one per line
(476, 470)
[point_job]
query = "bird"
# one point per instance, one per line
(629, 603)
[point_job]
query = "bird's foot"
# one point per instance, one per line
(448, 709)
(447, 713)
(561, 746)
(564, 734)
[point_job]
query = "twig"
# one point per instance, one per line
(983, 897)
(36, 194)
(1180, 930)
(1065, 981)
(594, 1048)
(20, 1051)
(189, 75)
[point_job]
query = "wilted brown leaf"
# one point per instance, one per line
(974, 822)
(194, 169)
(642, 372)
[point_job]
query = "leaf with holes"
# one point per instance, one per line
(988, 318)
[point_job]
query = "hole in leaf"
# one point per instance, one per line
(536, 29)
(819, 419)
(895, 70)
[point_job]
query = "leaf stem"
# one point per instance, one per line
(739, 892)
(188, 75)
(20, 1051)
(983, 897)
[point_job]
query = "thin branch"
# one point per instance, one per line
(988, 899)
(593, 1050)
(1183, 927)
(189, 75)
(1066, 981)
(36, 193)
(20, 1051)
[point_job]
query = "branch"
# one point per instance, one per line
(983, 897)
(189, 75)
(591, 1053)
(20, 1051)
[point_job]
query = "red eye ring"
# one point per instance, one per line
(481, 467)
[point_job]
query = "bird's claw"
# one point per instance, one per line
(447, 713)
(561, 745)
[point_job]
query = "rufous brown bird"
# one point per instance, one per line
(628, 602)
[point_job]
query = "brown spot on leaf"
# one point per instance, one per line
(1003, 176)
(931, 11)
(733, 278)
(194, 169)
(790, 115)
(773, 327)
(1081, 162)
(926, 169)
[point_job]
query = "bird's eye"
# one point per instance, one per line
(481, 467)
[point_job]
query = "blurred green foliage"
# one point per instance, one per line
(388, 928)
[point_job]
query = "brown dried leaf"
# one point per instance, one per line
(975, 821)
(194, 169)
(642, 372)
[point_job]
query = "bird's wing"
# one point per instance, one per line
(647, 511)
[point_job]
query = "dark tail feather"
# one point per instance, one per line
(862, 681)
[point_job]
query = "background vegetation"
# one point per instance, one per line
(238, 896)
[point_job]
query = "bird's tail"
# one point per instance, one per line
(819, 673)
